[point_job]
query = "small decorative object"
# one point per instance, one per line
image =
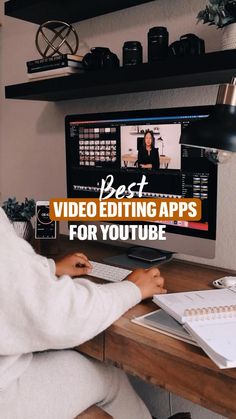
(222, 14)
(56, 37)
(132, 53)
(20, 214)
(160, 139)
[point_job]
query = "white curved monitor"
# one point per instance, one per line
(111, 143)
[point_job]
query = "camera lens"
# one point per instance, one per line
(132, 53)
(158, 41)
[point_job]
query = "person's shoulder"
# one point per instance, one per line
(3, 217)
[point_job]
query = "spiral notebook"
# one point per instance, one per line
(210, 318)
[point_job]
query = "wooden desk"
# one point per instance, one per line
(164, 161)
(169, 363)
(130, 158)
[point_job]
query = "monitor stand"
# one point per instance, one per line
(149, 255)
(125, 260)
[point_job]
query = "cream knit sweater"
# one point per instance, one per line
(39, 311)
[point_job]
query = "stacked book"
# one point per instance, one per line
(56, 66)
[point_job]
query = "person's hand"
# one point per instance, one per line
(74, 265)
(149, 281)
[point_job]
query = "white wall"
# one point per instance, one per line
(32, 153)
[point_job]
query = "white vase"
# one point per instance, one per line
(23, 229)
(229, 36)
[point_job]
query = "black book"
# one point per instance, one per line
(53, 65)
(53, 60)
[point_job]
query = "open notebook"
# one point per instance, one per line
(210, 317)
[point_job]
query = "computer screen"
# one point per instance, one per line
(132, 143)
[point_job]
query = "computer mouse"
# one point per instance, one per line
(226, 282)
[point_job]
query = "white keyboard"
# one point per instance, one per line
(108, 272)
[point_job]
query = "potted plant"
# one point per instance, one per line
(20, 215)
(222, 14)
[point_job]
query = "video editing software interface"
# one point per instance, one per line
(98, 145)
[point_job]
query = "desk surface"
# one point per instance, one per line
(132, 158)
(167, 362)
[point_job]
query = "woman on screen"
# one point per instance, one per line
(148, 155)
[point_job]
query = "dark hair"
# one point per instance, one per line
(153, 138)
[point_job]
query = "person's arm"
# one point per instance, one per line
(148, 281)
(39, 311)
(140, 159)
(75, 264)
(155, 159)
